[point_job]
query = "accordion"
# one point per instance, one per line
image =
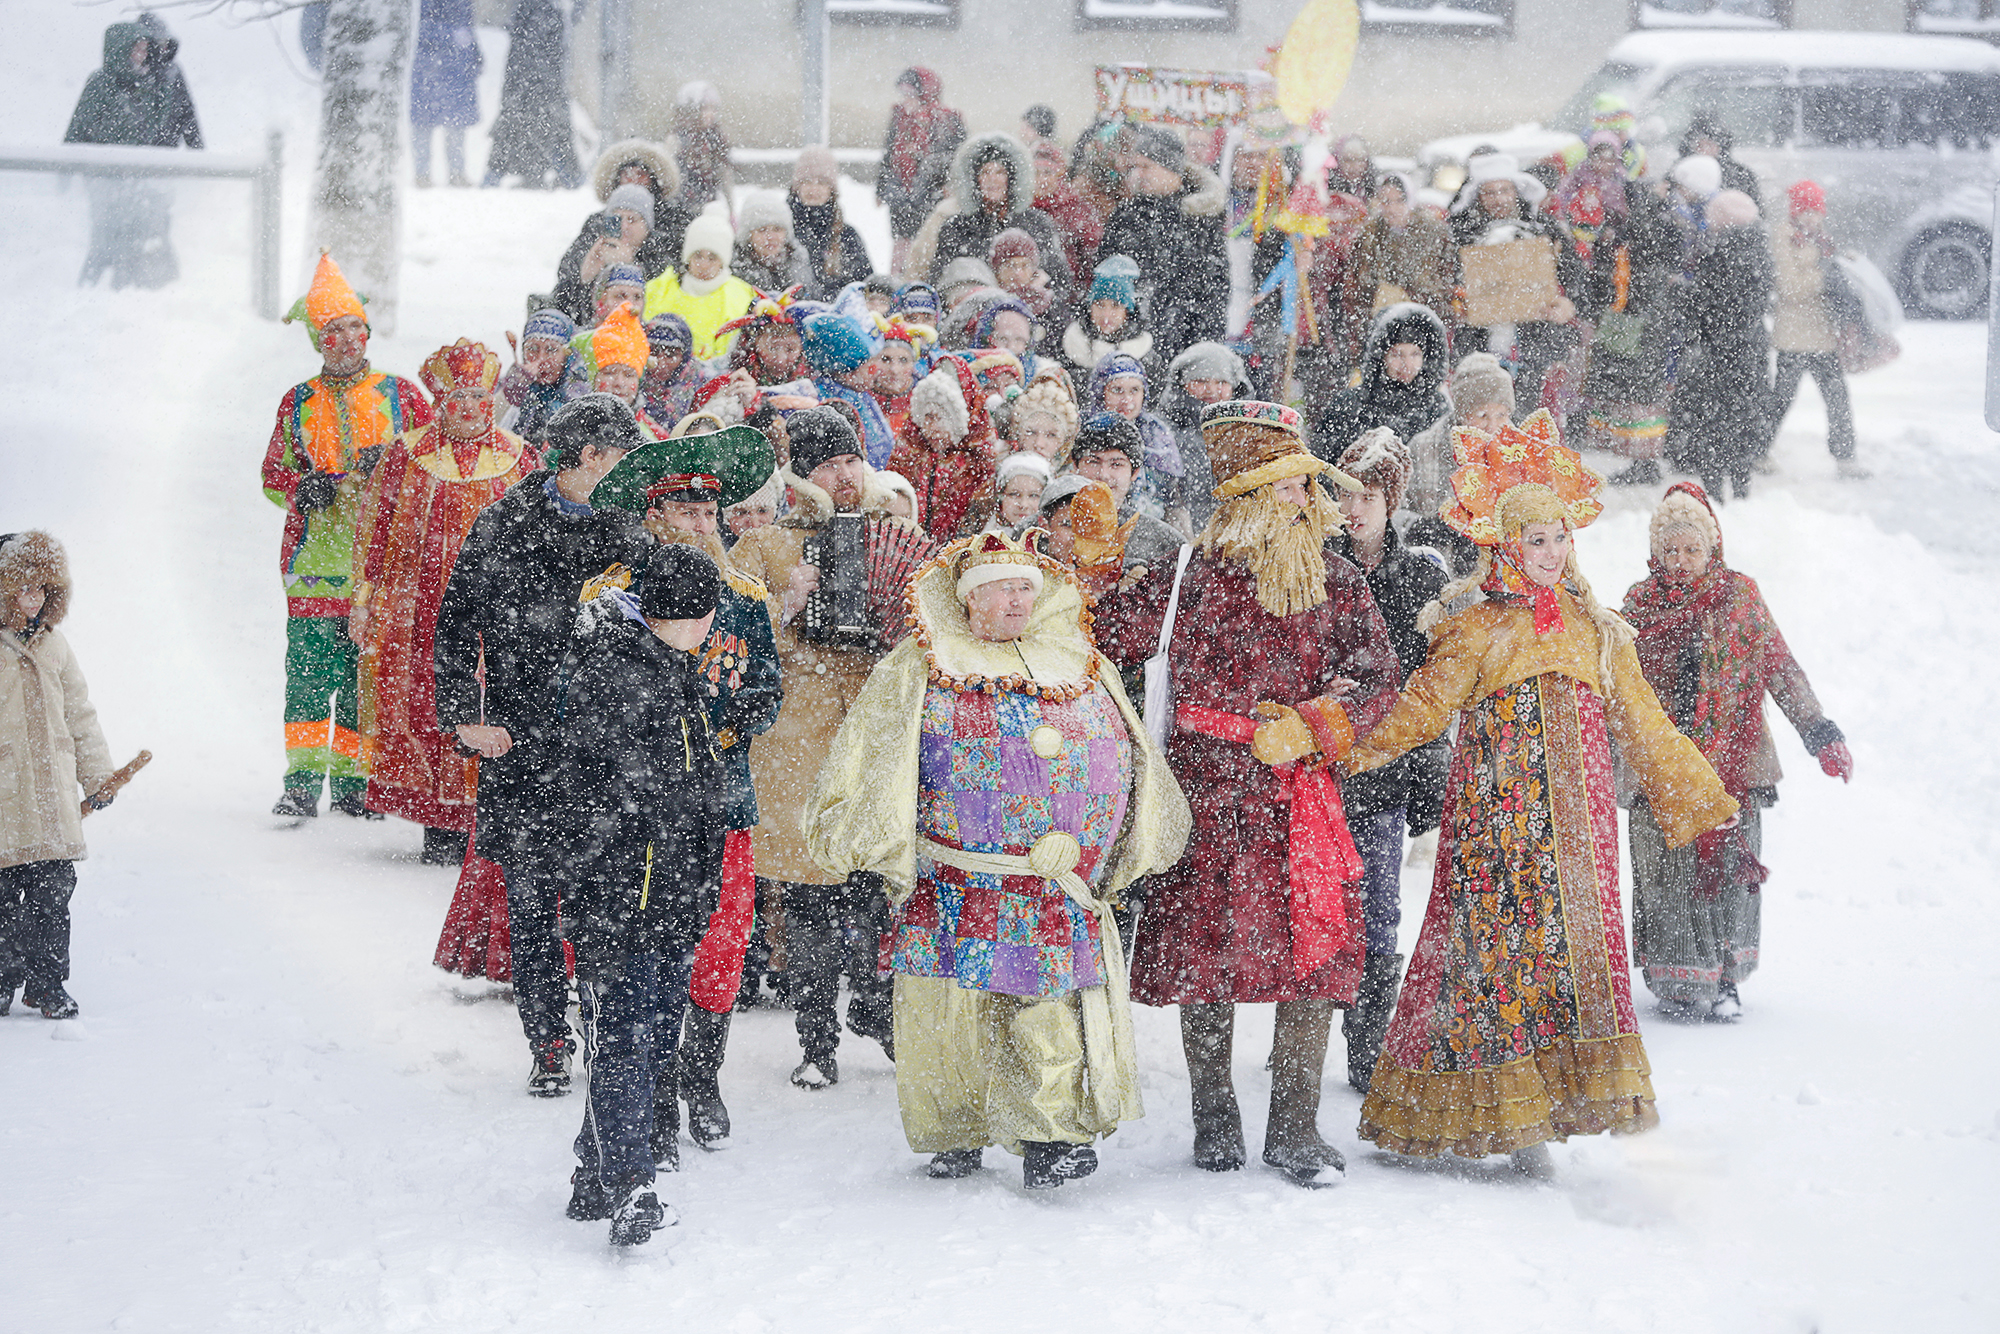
(865, 565)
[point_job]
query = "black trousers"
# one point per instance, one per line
(1824, 367)
(830, 929)
(34, 925)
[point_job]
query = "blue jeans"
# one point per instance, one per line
(630, 1022)
(1379, 840)
(541, 978)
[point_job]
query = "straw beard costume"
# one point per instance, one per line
(1515, 1025)
(1005, 790)
(1279, 656)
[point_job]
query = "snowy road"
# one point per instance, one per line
(276, 1115)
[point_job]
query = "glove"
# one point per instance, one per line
(1837, 761)
(1284, 738)
(316, 491)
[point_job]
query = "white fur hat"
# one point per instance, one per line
(762, 208)
(939, 392)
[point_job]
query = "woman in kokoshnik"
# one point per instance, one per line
(1515, 1023)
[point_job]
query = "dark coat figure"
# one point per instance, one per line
(917, 156)
(1408, 409)
(531, 135)
(444, 73)
(144, 103)
(1403, 582)
(1719, 398)
(512, 602)
(969, 233)
(1176, 240)
(834, 249)
(1705, 124)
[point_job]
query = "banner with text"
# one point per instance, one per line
(1199, 99)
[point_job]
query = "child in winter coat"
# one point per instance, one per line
(1120, 385)
(50, 751)
(1109, 321)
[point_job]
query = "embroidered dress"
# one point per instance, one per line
(984, 787)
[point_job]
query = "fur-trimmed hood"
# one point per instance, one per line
(811, 506)
(31, 558)
(604, 176)
(974, 153)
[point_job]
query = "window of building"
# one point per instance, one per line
(1187, 15)
(1442, 18)
(921, 13)
(1963, 18)
(1748, 14)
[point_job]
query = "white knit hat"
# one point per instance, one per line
(710, 232)
(939, 392)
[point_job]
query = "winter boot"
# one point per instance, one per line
(1367, 1023)
(639, 1216)
(549, 1077)
(298, 803)
(1292, 1142)
(953, 1164)
(54, 1003)
(355, 807)
(1533, 1163)
(817, 1072)
(587, 1201)
(1207, 1033)
(1727, 1007)
(700, 1062)
(871, 1017)
(665, 1141)
(7, 990)
(442, 847)
(1046, 1164)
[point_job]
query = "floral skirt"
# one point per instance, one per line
(1515, 1024)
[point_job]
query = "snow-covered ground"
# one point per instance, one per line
(275, 1114)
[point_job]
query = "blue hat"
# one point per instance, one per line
(834, 345)
(915, 301)
(548, 323)
(621, 273)
(669, 330)
(1116, 279)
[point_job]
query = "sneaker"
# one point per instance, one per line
(549, 1077)
(354, 807)
(1046, 1164)
(1314, 1166)
(57, 1004)
(634, 1222)
(820, 1073)
(587, 1201)
(297, 804)
(1847, 470)
(953, 1164)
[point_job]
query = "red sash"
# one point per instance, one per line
(1321, 857)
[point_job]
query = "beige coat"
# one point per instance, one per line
(51, 751)
(1801, 323)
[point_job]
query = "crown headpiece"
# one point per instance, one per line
(1531, 454)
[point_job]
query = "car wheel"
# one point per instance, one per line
(1945, 273)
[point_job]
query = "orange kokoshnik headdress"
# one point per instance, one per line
(463, 365)
(1554, 484)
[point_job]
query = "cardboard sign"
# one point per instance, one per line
(1197, 99)
(1508, 282)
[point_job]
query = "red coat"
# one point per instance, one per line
(954, 487)
(1217, 926)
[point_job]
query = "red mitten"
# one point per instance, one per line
(1837, 761)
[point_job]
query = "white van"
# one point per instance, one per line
(1902, 131)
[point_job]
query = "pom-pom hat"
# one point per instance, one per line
(1252, 443)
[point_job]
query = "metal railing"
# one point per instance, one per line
(119, 160)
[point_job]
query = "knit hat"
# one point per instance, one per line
(1379, 458)
(1253, 443)
(328, 299)
(816, 163)
(1159, 146)
(762, 208)
(1013, 243)
(1014, 464)
(681, 583)
(1479, 380)
(834, 344)
(619, 273)
(637, 198)
(549, 323)
(964, 271)
(1040, 118)
(668, 332)
(1732, 208)
(917, 303)
(619, 341)
(1806, 197)
(991, 557)
(981, 328)
(939, 392)
(463, 365)
(595, 419)
(1697, 173)
(710, 232)
(1103, 431)
(1207, 361)
(1685, 505)
(1116, 279)
(819, 435)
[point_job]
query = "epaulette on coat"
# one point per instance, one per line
(748, 585)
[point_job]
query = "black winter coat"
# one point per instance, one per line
(835, 250)
(531, 133)
(1719, 398)
(1402, 584)
(1379, 400)
(149, 106)
(1176, 240)
(641, 827)
(512, 598)
(657, 253)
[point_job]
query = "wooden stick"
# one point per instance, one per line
(118, 780)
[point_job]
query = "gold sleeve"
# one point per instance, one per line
(1440, 688)
(1680, 784)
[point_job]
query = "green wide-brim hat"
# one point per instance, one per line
(740, 458)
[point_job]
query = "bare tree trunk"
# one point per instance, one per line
(357, 196)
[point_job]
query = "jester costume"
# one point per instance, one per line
(329, 428)
(1515, 1024)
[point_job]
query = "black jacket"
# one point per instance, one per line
(835, 250)
(1407, 409)
(660, 251)
(641, 827)
(149, 106)
(1403, 583)
(1176, 240)
(1718, 406)
(513, 597)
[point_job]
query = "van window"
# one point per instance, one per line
(1752, 103)
(1897, 109)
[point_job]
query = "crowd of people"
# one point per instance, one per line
(992, 635)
